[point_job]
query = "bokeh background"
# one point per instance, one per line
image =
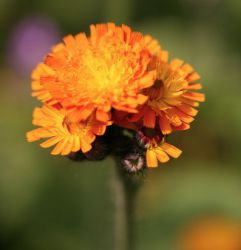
(52, 203)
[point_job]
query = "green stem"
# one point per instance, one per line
(124, 191)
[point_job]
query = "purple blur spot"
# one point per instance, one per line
(30, 41)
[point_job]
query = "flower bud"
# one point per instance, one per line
(133, 162)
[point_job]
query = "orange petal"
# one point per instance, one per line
(151, 44)
(199, 97)
(36, 85)
(176, 63)
(147, 80)
(59, 147)
(50, 142)
(76, 144)
(37, 134)
(194, 86)
(93, 35)
(193, 77)
(149, 119)
(184, 117)
(70, 43)
(164, 55)
(136, 117)
(173, 117)
(85, 146)
(183, 126)
(151, 159)
(53, 62)
(187, 68)
(98, 129)
(80, 114)
(188, 109)
(189, 102)
(32, 135)
(82, 40)
(171, 150)
(141, 99)
(161, 155)
(164, 125)
(90, 137)
(68, 147)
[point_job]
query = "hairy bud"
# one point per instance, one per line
(133, 162)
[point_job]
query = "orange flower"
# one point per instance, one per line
(68, 135)
(211, 233)
(104, 71)
(171, 99)
(113, 76)
(160, 152)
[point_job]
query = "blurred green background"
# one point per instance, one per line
(52, 203)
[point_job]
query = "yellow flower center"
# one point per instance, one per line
(101, 74)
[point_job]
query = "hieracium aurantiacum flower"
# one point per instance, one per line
(113, 84)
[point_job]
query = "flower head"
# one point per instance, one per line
(106, 70)
(56, 126)
(113, 76)
(171, 104)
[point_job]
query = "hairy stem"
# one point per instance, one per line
(124, 192)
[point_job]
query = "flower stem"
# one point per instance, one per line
(124, 192)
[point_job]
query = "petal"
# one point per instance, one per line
(173, 117)
(183, 126)
(98, 129)
(70, 43)
(171, 150)
(164, 125)
(187, 68)
(68, 147)
(151, 159)
(141, 99)
(136, 117)
(59, 147)
(189, 102)
(50, 142)
(193, 77)
(85, 145)
(199, 97)
(176, 63)
(194, 86)
(37, 134)
(164, 55)
(102, 116)
(184, 117)
(188, 109)
(161, 155)
(76, 144)
(80, 114)
(149, 119)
